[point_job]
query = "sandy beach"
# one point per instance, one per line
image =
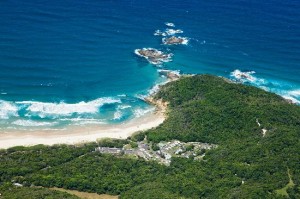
(76, 135)
(90, 133)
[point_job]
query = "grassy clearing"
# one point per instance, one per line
(86, 195)
(291, 184)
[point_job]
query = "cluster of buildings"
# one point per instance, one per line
(166, 151)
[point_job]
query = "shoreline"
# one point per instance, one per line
(91, 133)
(78, 135)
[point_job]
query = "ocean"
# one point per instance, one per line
(66, 63)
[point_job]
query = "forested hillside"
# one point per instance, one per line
(257, 134)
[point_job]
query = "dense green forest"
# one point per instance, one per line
(202, 108)
(10, 192)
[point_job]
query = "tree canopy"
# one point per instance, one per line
(248, 162)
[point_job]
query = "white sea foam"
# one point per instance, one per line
(44, 109)
(154, 89)
(270, 86)
(295, 93)
(243, 76)
(31, 123)
(7, 109)
(170, 24)
(78, 119)
(83, 121)
(124, 107)
(288, 97)
(118, 115)
(157, 86)
(141, 96)
(265, 88)
(165, 72)
(170, 31)
(140, 112)
(160, 33)
(185, 41)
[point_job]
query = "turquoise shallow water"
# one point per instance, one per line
(73, 62)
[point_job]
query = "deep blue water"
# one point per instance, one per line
(73, 61)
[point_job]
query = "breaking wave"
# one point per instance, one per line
(7, 109)
(32, 115)
(46, 109)
(43, 114)
(118, 115)
(140, 112)
(31, 123)
(120, 111)
(243, 76)
(293, 95)
(281, 89)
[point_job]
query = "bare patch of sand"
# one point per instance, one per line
(75, 135)
(86, 195)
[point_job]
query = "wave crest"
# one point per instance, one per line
(44, 109)
(7, 109)
(140, 112)
(243, 76)
(280, 88)
(31, 123)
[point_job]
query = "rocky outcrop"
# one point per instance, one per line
(154, 56)
(175, 40)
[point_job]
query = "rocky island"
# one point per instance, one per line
(175, 40)
(154, 56)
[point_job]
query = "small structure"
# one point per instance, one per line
(166, 151)
(109, 150)
(17, 184)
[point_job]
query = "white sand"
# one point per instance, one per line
(75, 135)
(82, 134)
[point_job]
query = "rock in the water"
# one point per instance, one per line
(154, 56)
(175, 40)
(171, 75)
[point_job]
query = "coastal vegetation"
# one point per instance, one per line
(11, 192)
(257, 134)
